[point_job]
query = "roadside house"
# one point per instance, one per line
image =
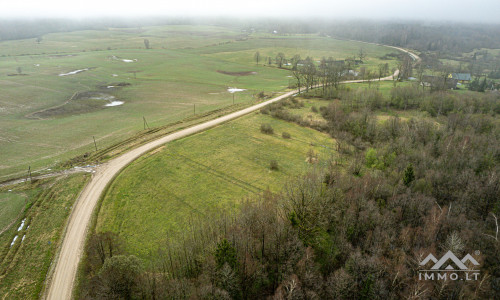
(461, 77)
(439, 83)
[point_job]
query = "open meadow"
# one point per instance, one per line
(59, 92)
(199, 177)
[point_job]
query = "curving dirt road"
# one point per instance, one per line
(66, 263)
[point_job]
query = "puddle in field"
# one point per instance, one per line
(106, 97)
(114, 103)
(74, 72)
(22, 225)
(101, 96)
(80, 103)
(235, 90)
(13, 241)
(125, 59)
(110, 99)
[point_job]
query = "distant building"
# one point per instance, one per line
(461, 77)
(439, 83)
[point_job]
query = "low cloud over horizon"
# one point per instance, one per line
(482, 11)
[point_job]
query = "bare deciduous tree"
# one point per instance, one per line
(361, 54)
(256, 57)
(279, 59)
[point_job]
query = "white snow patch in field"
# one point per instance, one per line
(36, 65)
(22, 240)
(73, 72)
(110, 86)
(114, 75)
(114, 103)
(234, 90)
(103, 97)
(289, 76)
(22, 225)
(13, 241)
(125, 60)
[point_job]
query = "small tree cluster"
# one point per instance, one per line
(266, 128)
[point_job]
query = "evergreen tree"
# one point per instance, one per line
(409, 175)
(225, 253)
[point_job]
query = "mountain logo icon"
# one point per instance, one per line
(449, 256)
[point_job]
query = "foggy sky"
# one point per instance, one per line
(432, 10)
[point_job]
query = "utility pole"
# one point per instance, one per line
(95, 144)
(29, 174)
(145, 123)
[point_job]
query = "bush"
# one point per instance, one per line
(274, 165)
(286, 135)
(314, 109)
(266, 128)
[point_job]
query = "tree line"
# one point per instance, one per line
(330, 72)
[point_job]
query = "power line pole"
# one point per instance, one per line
(29, 174)
(95, 144)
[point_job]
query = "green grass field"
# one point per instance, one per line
(36, 231)
(11, 205)
(43, 123)
(200, 176)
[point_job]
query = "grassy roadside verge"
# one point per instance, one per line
(25, 263)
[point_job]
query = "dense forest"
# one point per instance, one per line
(356, 229)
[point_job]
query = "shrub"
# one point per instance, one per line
(266, 128)
(274, 165)
(314, 109)
(286, 135)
